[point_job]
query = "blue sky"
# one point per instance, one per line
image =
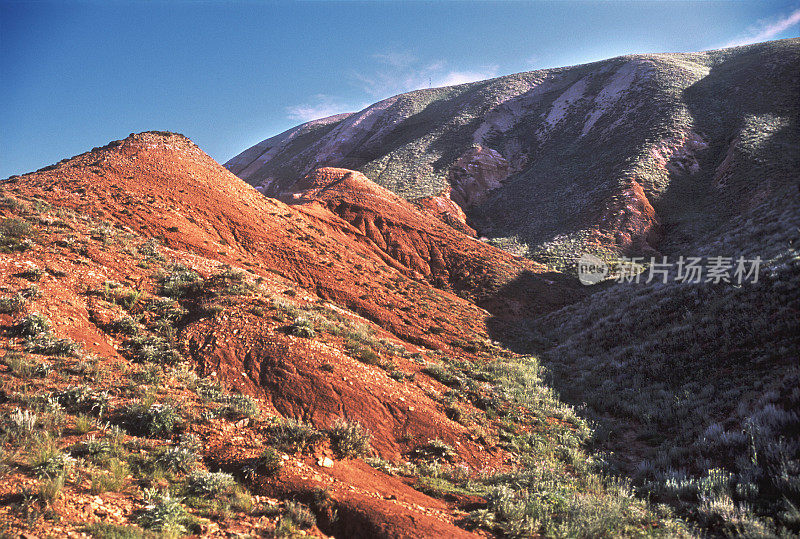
(74, 75)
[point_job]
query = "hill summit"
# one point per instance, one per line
(635, 155)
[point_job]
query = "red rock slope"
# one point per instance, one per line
(378, 260)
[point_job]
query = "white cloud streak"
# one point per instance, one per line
(767, 30)
(321, 106)
(400, 71)
(395, 72)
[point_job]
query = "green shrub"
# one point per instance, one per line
(324, 505)
(112, 480)
(202, 483)
(21, 366)
(349, 440)
(125, 325)
(149, 375)
(15, 228)
(165, 514)
(302, 327)
(444, 376)
(83, 424)
(151, 349)
(14, 235)
(33, 273)
(104, 530)
(96, 449)
(299, 515)
(241, 406)
(32, 325)
(46, 460)
(364, 354)
(83, 399)
(236, 282)
(181, 281)
(179, 459)
(235, 405)
(269, 463)
(20, 424)
(434, 450)
(50, 488)
(153, 420)
(293, 435)
(150, 250)
(12, 304)
(51, 346)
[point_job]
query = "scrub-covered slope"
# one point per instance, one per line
(622, 155)
(183, 355)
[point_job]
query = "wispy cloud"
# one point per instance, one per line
(400, 71)
(321, 106)
(532, 62)
(393, 72)
(766, 30)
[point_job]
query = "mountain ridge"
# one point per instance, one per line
(566, 144)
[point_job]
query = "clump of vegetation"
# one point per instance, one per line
(296, 515)
(32, 325)
(150, 249)
(166, 515)
(114, 479)
(51, 346)
(82, 399)
(50, 488)
(364, 354)
(38, 339)
(178, 458)
(15, 235)
(207, 484)
(350, 440)
(180, 281)
(237, 405)
(445, 376)
(46, 460)
(32, 273)
(434, 450)
(152, 349)
(140, 418)
(12, 304)
(20, 424)
(235, 282)
(234, 405)
(125, 325)
(269, 463)
(302, 327)
(293, 435)
(22, 366)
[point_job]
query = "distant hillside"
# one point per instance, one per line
(633, 154)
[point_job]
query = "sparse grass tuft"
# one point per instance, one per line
(202, 483)
(293, 435)
(12, 304)
(302, 327)
(150, 420)
(165, 514)
(350, 440)
(180, 281)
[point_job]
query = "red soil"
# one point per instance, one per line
(344, 240)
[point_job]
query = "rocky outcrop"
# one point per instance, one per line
(478, 171)
(446, 210)
(629, 224)
(426, 248)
